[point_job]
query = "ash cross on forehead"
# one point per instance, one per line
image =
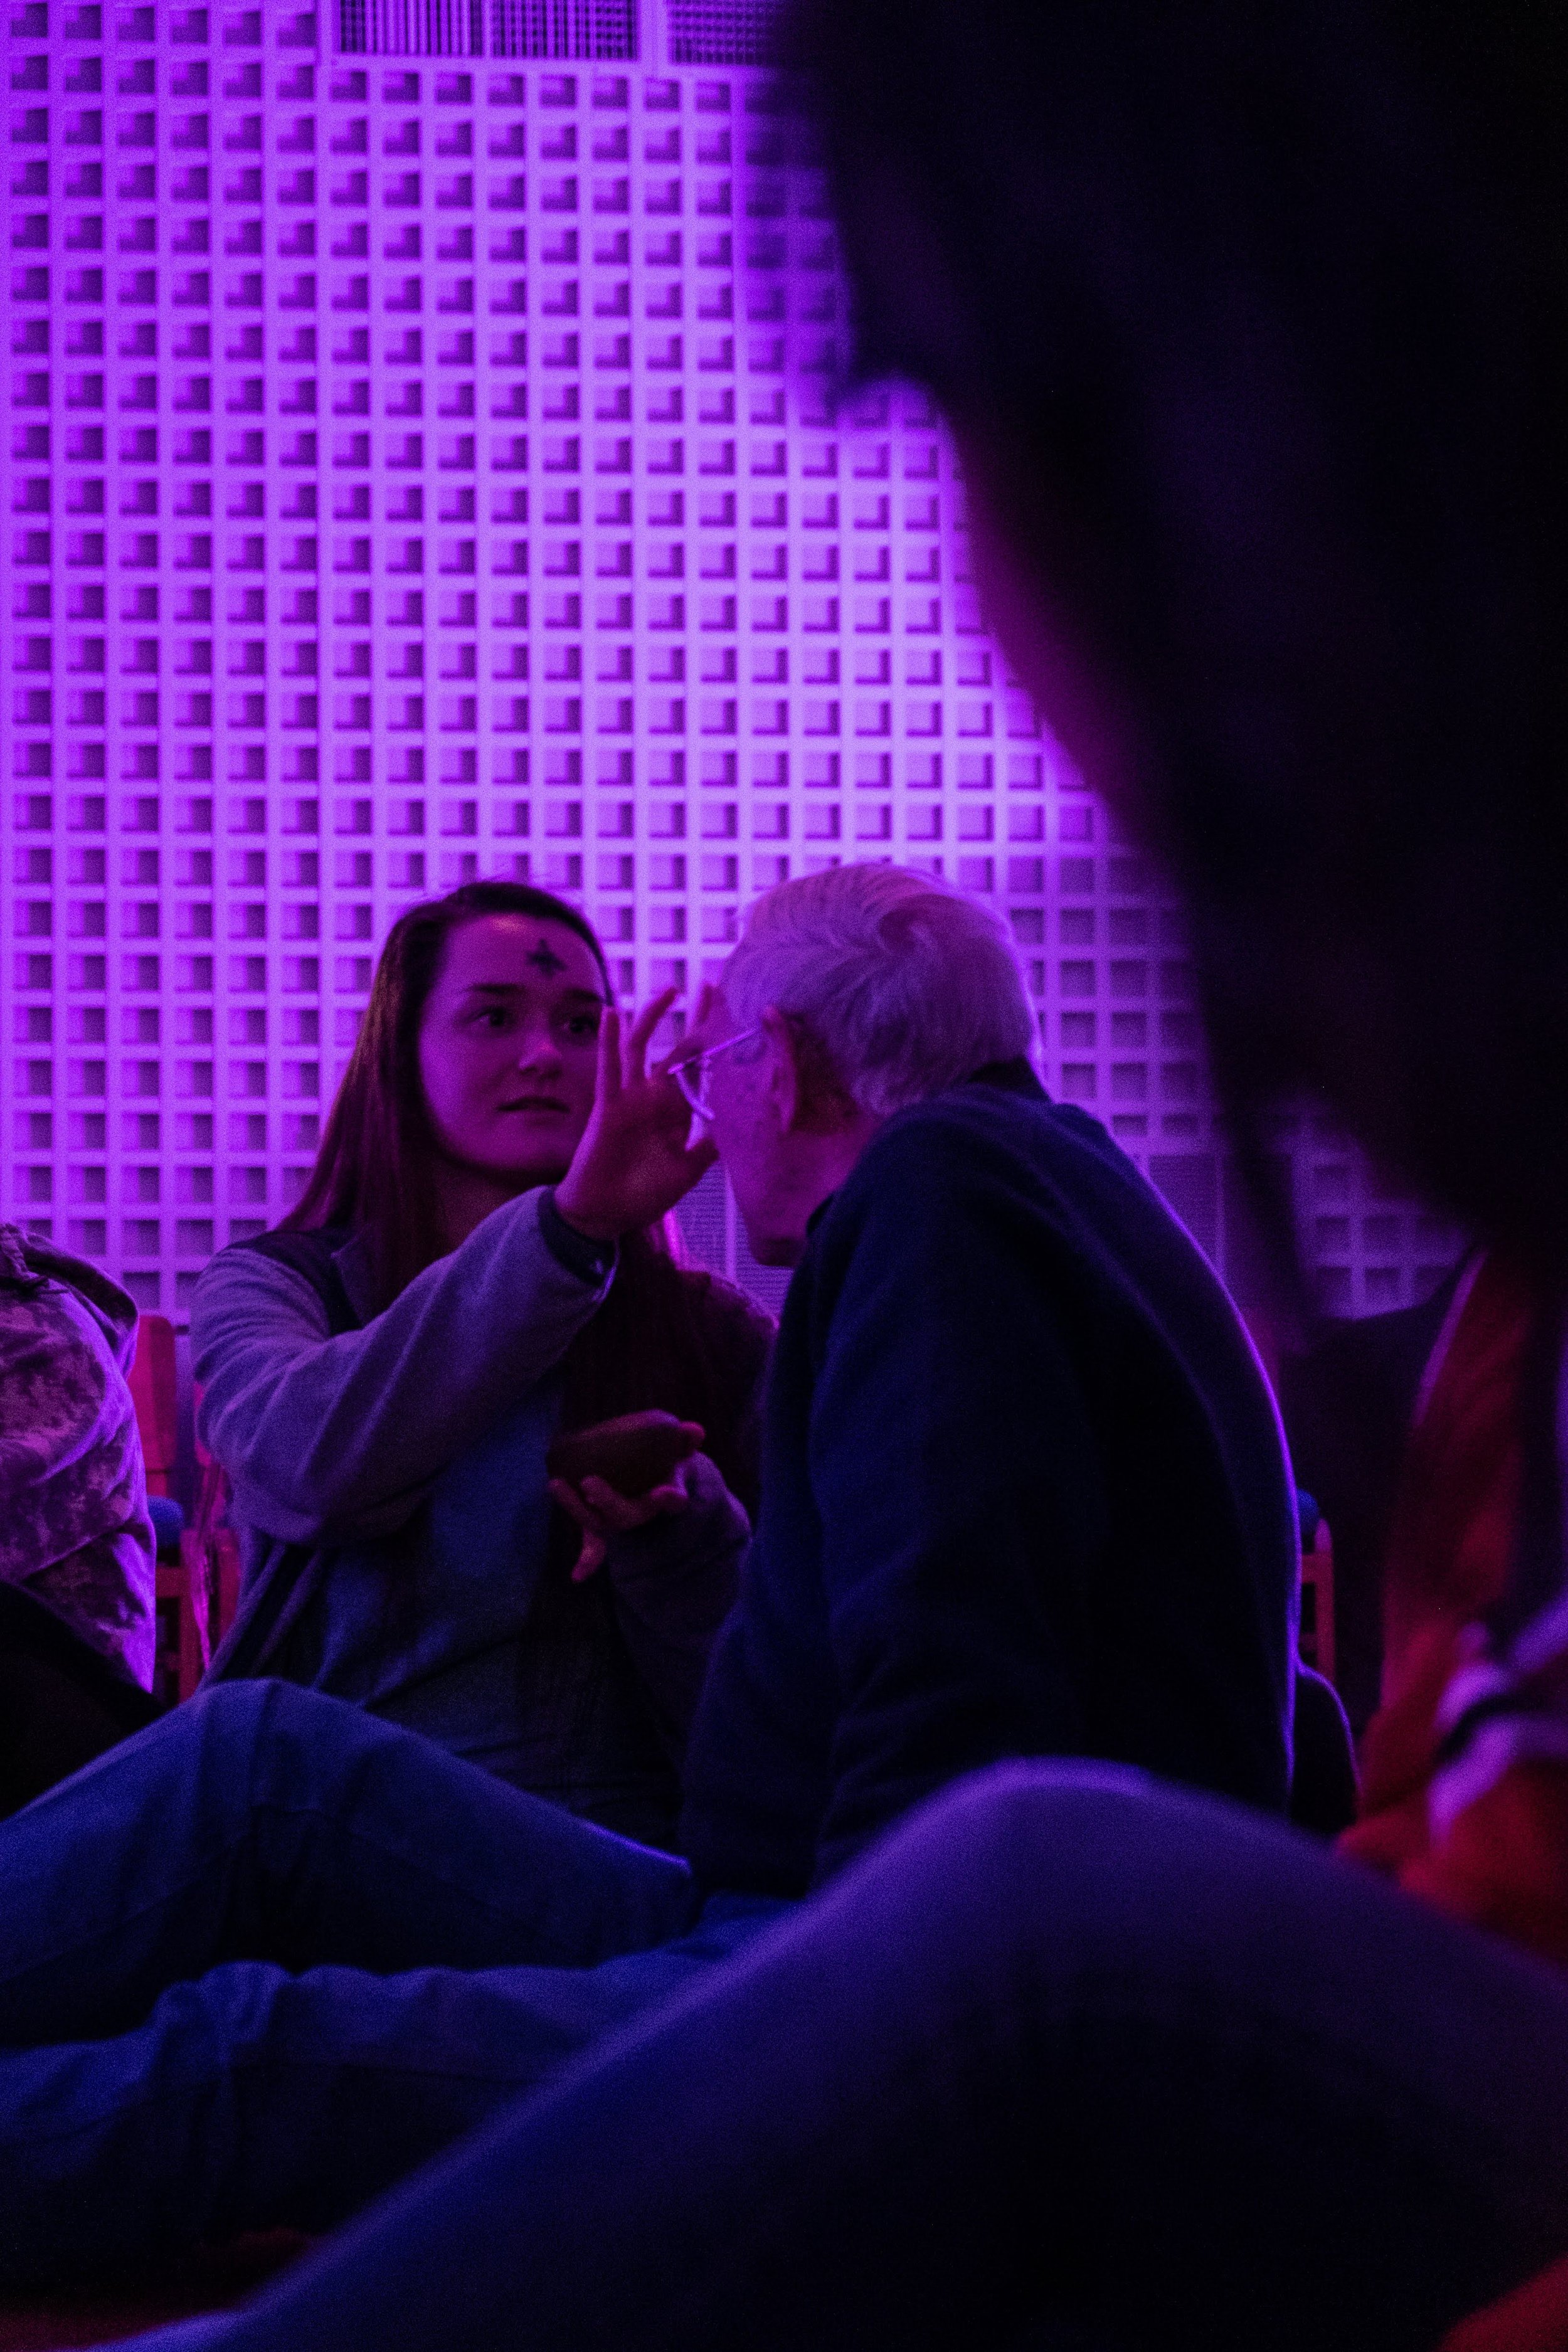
(543, 958)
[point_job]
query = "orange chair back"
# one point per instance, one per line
(152, 1392)
(210, 1553)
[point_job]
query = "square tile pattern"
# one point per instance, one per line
(422, 463)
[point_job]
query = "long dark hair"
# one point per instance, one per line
(667, 1335)
(374, 1171)
(1255, 317)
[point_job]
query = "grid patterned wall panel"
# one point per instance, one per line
(424, 466)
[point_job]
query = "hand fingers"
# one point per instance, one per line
(697, 1153)
(596, 1504)
(707, 998)
(685, 1161)
(615, 1514)
(622, 1514)
(607, 1078)
(668, 1114)
(601, 1512)
(689, 1161)
(590, 1557)
(636, 1049)
(567, 1496)
(659, 1503)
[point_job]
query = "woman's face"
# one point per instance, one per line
(508, 1047)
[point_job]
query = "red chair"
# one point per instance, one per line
(153, 1394)
(201, 1591)
(209, 1557)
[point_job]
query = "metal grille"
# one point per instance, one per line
(603, 29)
(411, 29)
(589, 29)
(720, 32)
(416, 472)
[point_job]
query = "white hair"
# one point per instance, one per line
(908, 986)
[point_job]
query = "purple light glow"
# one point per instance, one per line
(424, 469)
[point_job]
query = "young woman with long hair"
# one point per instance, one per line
(478, 1264)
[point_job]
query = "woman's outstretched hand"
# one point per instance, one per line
(615, 1475)
(603, 1514)
(637, 1157)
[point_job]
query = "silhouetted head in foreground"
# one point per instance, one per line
(1250, 322)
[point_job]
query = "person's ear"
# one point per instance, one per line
(786, 1079)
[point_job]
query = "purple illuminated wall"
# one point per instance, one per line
(424, 466)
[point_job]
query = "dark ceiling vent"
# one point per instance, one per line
(700, 32)
(721, 32)
(411, 29)
(565, 28)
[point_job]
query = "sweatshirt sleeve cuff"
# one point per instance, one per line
(590, 1261)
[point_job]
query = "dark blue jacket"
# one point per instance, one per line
(1024, 1494)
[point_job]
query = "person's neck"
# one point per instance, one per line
(820, 1161)
(465, 1197)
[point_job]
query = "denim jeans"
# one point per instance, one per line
(1069, 2058)
(269, 1956)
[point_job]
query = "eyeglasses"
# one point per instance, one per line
(692, 1075)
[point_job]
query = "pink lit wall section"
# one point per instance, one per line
(425, 467)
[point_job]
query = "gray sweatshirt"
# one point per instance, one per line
(389, 1487)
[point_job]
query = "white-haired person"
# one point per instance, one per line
(1024, 1496)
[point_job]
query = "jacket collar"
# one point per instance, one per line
(1014, 1076)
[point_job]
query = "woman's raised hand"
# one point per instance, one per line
(636, 1156)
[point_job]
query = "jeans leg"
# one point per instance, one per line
(263, 1822)
(1069, 2058)
(252, 2099)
